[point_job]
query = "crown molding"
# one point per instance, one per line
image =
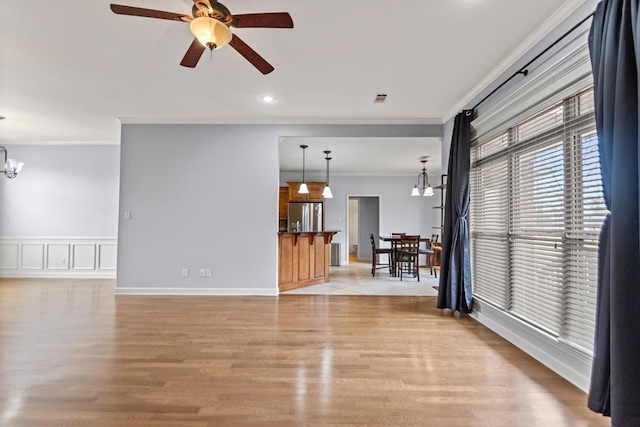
(285, 121)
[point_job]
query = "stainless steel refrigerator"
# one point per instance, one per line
(305, 216)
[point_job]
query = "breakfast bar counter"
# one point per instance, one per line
(303, 258)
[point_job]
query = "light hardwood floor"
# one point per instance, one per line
(73, 354)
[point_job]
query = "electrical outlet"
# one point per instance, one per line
(185, 272)
(203, 272)
(127, 214)
(208, 272)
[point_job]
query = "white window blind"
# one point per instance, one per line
(535, 215)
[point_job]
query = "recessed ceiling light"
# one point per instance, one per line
(268, 99)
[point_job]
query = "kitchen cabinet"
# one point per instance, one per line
(315, 192)
(283, 203)
(303, 259)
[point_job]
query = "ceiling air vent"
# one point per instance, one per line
(380, 98)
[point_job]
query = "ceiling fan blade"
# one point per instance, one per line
(149, 13)
(193, 54)
(263, 20)
(250, 55)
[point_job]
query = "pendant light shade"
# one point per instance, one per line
(303, 187)
(423, 179)
(326, 193)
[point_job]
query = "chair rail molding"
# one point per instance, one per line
(58, 257)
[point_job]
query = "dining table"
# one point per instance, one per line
(394, 239)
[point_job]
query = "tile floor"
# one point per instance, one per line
(355, 279)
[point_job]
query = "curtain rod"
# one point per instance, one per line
(523, 70)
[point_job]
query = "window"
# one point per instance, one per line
(535, 215)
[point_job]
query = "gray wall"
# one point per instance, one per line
(63, 191)
(206, 196)
(446, 144)
(368, 223)
(199, 197)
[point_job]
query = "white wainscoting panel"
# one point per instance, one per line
(64, 257)
(58, 256)
(9, 256)
(108, 256)
(32, 256)
(84, 257)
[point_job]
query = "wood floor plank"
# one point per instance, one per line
(74, 354)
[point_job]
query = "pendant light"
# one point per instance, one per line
(303, 187)
(326, 193)
(427, 190)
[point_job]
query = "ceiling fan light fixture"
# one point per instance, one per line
(210, 32)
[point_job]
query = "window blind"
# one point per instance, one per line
(535, 215)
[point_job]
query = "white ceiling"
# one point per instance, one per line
(361, 156)
(70, 69)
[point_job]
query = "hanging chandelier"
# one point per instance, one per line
(12, 167)
(423, 178)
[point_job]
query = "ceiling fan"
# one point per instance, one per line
(210, 22)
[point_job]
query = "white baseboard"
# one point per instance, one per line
(58, 257)
(57, 275)
(569, 363)
(196, 291)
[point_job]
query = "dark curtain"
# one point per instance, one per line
(455, 290)
(614, 43)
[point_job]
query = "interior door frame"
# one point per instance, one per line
(348, 220)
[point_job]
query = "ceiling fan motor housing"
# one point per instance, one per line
(211, 9)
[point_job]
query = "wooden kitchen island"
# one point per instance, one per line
(303, 258)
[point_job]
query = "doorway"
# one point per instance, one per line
(363, 219)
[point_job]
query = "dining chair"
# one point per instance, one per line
(375, 252)
(427, 251)
(395, 244)
(409, 254)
